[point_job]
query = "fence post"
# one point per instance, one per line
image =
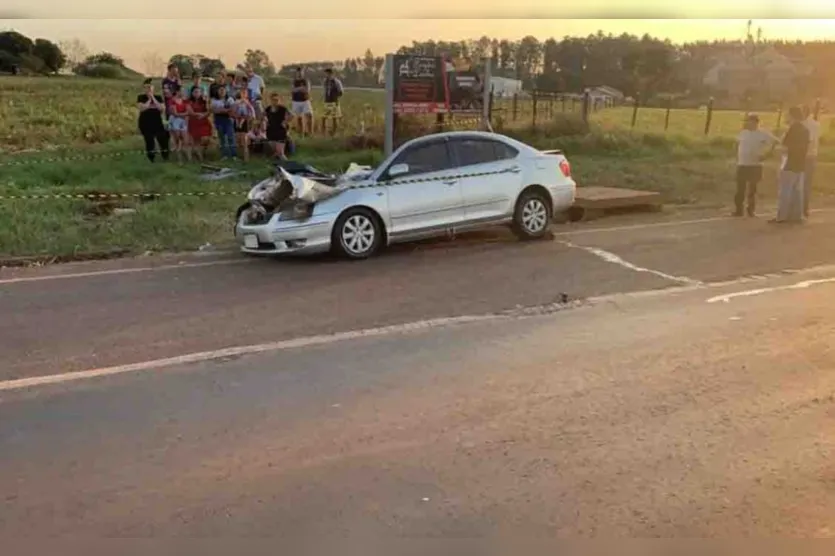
(586, 105)
(562, 99)
(490, 105)
(779, 114)
(817, 108)
(534, 109)
(551, 106)
(635, 105)
(515, 105)
(573, 104)
(667, 115)
(709, 118)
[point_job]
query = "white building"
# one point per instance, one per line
(504, 87)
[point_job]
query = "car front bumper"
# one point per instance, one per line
(285, 237)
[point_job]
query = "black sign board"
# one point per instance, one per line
(420, 85)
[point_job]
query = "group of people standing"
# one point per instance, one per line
(182, 118)
(797, 169)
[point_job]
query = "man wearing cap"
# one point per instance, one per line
(752, 148)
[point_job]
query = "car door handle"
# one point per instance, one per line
(450, 182)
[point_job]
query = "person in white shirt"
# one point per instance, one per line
(814, 128)
(255, 84)
(753, 146)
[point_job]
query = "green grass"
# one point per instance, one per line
(45, 113)
(56, 118)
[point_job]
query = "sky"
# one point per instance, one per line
(337, 32)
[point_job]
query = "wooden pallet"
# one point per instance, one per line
(593, 202)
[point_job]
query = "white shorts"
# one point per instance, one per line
(176, 123)
(299, 108)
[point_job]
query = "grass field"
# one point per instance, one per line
(78, 136)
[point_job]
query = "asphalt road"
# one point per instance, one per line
(649, 405)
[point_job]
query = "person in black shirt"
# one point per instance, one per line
(300, 105)
(333, 92)
(795, 148)
(278, 119)
(151, 107)
(219, 82)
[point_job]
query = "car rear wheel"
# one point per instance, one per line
(357, 234)
(532, 215)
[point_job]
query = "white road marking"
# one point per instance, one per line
(94, 273)
(726, 298)
(610, 257)
(203, 356)
(311, 341)
(651, 225)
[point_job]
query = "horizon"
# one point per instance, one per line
(320, 40)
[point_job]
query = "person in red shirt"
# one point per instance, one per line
(178, 125)
(199, 126)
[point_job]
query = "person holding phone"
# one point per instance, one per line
(151, 107)
(243, 113)
(278, 120)
(178, 125)
(199, 126)
(222, 110)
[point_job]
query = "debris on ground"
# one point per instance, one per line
(217, 173)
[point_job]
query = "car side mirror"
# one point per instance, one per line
(398, 170)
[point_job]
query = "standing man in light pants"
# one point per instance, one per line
(795, 149)
(814, 128)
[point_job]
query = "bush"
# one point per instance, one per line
(103, 71)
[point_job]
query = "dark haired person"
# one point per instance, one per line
(151, 106)
(278, 120)
(221, 107)
(243, 115)
(171, 83)
(219, 82)
(795, 148)
(300, 102)
(333, 92)
(814, 128)
(199, 126)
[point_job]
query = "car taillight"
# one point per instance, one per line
(565, 168)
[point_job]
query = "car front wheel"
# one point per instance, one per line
(531, 217)
(357, 234)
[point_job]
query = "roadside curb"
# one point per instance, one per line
(113, 254)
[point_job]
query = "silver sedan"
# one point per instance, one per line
(431, 186)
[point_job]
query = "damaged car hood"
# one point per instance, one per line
(285, 186)
(295, 194)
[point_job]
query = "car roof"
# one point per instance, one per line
(469, 134)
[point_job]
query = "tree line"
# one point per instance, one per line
(20, 54)
(643, 66)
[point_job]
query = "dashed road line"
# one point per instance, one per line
(116, 271)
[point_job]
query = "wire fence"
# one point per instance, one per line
(535, 109)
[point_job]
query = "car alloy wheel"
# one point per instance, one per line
(534, 216)
(531, 219)
(357, 234)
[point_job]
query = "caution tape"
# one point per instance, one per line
(75, 158)
(222, 193)
(115, 196)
